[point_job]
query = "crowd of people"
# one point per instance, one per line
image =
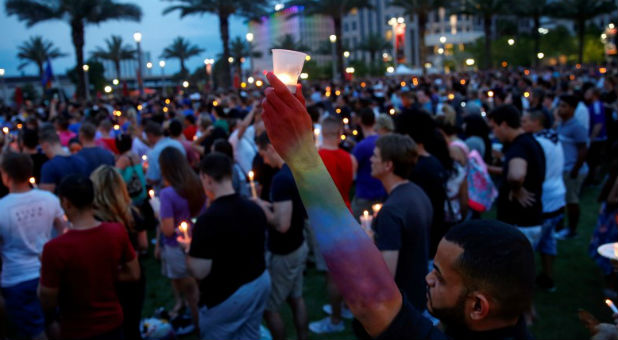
(227, 186)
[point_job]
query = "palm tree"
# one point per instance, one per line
(239, 50)
(336, 10)
(533, 9)
(37, 51)
(287, 42)
(251, 9)
(78, 13)
(580, 11)
(182, 50)
(374, 44)
(420, 8)
(115, 52)
(487, 9)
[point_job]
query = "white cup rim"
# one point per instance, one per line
(289, 51)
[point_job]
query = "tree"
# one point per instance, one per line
(78, 13)
(239, 50)
(420, 8)
(533, 9)
(580, 11)
(336, 10)
(487, 9)
(115, 52)
(287, 42)
(182, 50)
(37, 51)
(224, 9)
(374, 44)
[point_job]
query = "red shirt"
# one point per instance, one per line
(83, 265)
(189, 132)
(108, 143)
(339, 166)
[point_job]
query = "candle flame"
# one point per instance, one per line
(32, 180)
(366, 213)
(5, 130)
(608, 302)
(251, 175)
(151, 193)
(144, 158)
(183, 226)
(376, 207)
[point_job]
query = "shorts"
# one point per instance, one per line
(240, 315)
(24, 309)
(286, 273)
(547, 243)
(173, 262)
(573, 187)
(532, 233)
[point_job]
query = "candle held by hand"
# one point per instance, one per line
(184, 228)
(252, 184)
(611, 306)
(366, 220)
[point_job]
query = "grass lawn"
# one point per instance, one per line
(578, 280)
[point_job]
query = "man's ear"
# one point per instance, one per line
(478, 306)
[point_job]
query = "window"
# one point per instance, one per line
(345, 27)
(354, 26)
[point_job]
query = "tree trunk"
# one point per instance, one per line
(77, 33)
(337, 19)
(422, 49)
(487, 28)
(117, 66)
(224, 28)
(183, 68)
(581, 31)
(537, 38)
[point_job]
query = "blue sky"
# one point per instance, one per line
(158, 32)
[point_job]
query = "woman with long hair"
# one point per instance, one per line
(113, 204)
(182, 200)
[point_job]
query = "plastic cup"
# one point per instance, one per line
(287, 66)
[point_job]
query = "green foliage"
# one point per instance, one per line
(287, 42)
(96, 75)
(115, 51)
(374, 44)
(36, 50)
(181, 49)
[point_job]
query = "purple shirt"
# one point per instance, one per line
(176, 207)
(367, 187)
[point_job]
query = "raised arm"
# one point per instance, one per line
(354, 262)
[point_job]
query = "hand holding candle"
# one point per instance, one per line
(184, 228)
(288, 65)
(252, 184)
(376, 209)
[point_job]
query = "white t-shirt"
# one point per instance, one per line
(582, 115)
(26, 222)
(554, 190)
(244, 149)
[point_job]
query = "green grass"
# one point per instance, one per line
(578, 279)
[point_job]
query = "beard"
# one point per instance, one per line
(451, 317)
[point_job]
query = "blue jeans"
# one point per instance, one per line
(24, 309)
(240, 315)
(547, 243)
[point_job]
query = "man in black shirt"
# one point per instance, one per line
(227, 257)
(288, 251)
(519, 199)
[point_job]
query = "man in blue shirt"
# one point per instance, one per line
(94, 155)
(158, 142)
(60, 163)
(574, 139)
(598, 132)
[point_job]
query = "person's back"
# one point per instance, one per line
(553, 186)
(60, 166)
(404, 224)
(367, 187)
(83, 265)
(96, 156)
(339, 165)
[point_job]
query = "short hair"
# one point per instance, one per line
(570, 100)
(385, 122)
(124, 142)
(368, 118)
(18, 166)
(498, 259)
(217, 165)
(175, 128)
(223, 146)
(190, 119)
(418, 125)
(88, 131)
(508, 114)
(538, 116)
(205, 121)
(48, 134)
(399, 149)
(331, 126)
(262, 141)
(154, 129)
(30, 138)
(78, 190)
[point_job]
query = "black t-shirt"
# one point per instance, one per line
(232, 234)
(524, 146)
(404, 224)
(38, 159)
(429, 174)
(283, 188)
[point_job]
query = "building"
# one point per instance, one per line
(128, 67)
(312, 32)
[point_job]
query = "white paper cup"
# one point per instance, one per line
(287, 66)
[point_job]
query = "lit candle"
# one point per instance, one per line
(144, 158)
(151, 193)
(184, 227)
(376, 208)
(252, 184)
(366, 220)
(32, 181)
(5, 130)
(316, 133)
(611, 306)
(287, 66)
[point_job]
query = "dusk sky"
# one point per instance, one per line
(158, 32)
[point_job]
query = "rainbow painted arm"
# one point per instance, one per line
(354, 262)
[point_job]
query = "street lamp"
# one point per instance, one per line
(540, 55)
(209, 63)
(333, 40)
(250, 41)
(107, 89)
(162, 66)
(4, 97)
(86, 68)
(185, 84)
(470, 62)
(115, 81)
(137, 36)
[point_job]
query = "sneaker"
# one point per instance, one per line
(345, 312)
(545, 283)
(326, 326)
(182, 325)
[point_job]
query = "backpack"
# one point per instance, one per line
(134, 185)
(481, 190)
